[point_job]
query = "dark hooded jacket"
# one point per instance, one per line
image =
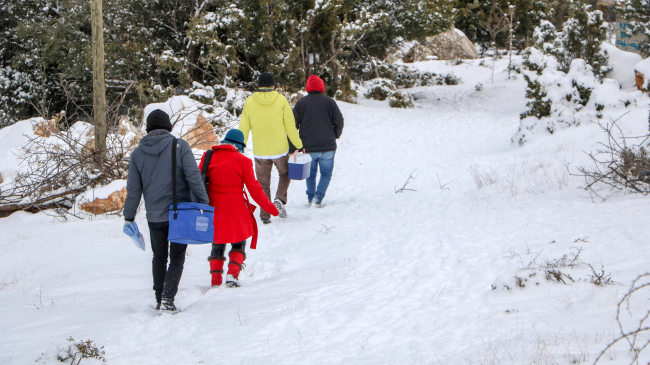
(319, 122)
(150, 174)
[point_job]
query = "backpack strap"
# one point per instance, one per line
(206, 165)
(174, 201)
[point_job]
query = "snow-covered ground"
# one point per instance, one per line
(375, 277)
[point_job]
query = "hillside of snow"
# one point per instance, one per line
(425, 276)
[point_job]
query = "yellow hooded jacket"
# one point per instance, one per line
(269, 116)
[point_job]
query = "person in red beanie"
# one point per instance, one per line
(320, 124)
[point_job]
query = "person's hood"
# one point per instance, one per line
(266, 98)
(156, 141)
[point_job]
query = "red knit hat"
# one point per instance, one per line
(315, 83)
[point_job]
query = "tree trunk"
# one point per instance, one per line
(302, 50)
(334, 84)
(99, 87)
(191, 55)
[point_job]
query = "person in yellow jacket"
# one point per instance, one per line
(269, 117)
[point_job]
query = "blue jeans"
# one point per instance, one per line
(326, 162)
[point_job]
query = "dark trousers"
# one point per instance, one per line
(220, 250)
(165, 280)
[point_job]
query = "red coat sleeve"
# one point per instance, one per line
(255, 189)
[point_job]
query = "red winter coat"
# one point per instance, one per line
(234, 221)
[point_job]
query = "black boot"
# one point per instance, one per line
(168, 306)
(158, 300)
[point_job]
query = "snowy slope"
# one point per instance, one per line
(374, 277)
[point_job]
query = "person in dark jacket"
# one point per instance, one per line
(320, 124)
(150, 174)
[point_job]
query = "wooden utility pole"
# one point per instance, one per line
(511, 36)
(99, 88)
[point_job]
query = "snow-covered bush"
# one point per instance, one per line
(400, 100)
(347, 92)
(379, 89)
(14, 95)
(559, 100)
(219, 97)
(207, 94)
(402, 76)
(539, 105)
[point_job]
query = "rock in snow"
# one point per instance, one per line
(642, 69)
(622, 64)
(450, 45)
(109, 198)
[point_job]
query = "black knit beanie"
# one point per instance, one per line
(158, 119)
(265, 80)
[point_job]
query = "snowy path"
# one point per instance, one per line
(374, 277)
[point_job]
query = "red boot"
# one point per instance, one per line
(234, 266)
(216, 269)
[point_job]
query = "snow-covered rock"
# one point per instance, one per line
(105, 199)
(643, 73)
(450, 45)
(622, 64)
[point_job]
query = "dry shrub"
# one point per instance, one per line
(633, 321)
(54, 170)
(617, 164)
(82, 350)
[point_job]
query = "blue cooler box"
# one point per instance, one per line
(194, 224)
(299, 169)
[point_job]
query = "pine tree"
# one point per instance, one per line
(581, 37)
(473, 16)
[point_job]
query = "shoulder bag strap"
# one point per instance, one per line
(174, 179)
(204, 170)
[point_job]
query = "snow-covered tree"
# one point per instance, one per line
(474, 19)
(581, 36)
(152, 47)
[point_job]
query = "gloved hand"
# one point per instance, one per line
(131, 230)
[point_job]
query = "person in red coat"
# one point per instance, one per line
(234, 222)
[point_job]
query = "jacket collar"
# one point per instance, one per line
(158, 132)
(315, 92)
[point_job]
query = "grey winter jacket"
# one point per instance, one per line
(150, 174)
